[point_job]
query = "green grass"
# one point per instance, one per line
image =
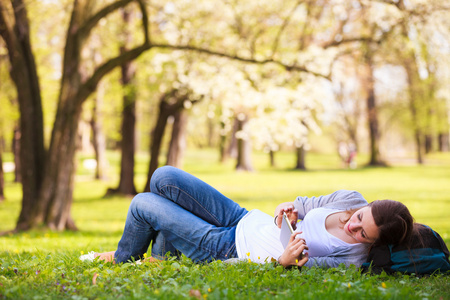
(44, 265)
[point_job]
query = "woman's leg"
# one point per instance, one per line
(150, 215)
(161, 246)
(196, 196)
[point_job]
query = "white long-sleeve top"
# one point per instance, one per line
(257, 237)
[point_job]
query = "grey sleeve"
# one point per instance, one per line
(324, 262)
(342, 199)
(335, 261)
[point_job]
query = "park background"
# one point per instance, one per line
(264, 100)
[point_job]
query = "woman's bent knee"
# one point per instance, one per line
(137, 201)
(162, 176)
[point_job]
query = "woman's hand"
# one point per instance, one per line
(293, 254)
(290, 211)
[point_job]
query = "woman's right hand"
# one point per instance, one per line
(293, 254)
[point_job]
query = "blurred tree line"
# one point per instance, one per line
(235, 75)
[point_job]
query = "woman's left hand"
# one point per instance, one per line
(290, 211)
(293, 254)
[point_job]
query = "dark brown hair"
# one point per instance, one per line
(394, 221)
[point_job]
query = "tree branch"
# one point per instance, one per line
(292, 67)
(347, 41)
(145, 22)
(283, 27)
(390, 2)
(400, 6)
(90, 85)
(90, 23)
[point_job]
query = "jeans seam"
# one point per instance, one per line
(194, 199)
(229, 249)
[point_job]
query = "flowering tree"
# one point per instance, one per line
(257, 51)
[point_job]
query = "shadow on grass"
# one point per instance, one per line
(45, 233)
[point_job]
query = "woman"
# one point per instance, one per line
(183, 214)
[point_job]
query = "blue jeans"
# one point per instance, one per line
(180, 214)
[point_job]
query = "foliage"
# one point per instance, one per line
(313, 35)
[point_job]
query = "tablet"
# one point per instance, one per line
(286, 231)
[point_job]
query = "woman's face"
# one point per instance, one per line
(361, 226)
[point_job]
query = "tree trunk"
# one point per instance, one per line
(56, 196)
(414, 92)
(2, 180)
(272, 158)
(417, 131)
(128, 142)
(55, 200)
(16, 152)
(372, 116)
(429, 104)
(222, 143)
(156, 141)
(128, 147)
(178, 141)
(210, 142)
(428, 143)
(444, 144)
(443, 127)
(14, 29)
(231, 150)
(166, 109)
(419, 149)
(244, 162)
(300, 163)
(98, 137)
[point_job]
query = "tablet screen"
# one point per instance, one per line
(286, 231)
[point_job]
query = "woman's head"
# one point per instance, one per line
(381, 222)
(394, 221)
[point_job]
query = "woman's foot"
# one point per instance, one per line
(151, 259)
(105, 256)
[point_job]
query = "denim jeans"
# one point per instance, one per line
(180, 214)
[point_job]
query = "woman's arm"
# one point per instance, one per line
(341, 199)
(334, 261)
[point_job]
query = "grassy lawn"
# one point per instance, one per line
(44, 265)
